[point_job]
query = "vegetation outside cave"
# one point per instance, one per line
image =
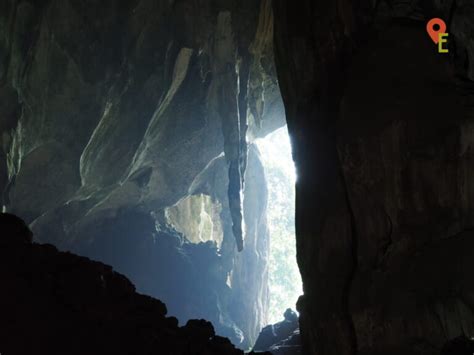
(285, 279)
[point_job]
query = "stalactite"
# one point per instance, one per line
(226, 82)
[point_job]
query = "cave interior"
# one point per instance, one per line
(237, 176)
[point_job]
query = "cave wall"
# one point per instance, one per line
(113, 111)
(381, 125)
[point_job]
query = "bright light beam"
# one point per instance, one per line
(285, 279)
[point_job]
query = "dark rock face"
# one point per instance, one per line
(114, 111)
(381, 126)
(59, 303)
(14, 230)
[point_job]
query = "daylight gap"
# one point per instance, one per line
(284, 277)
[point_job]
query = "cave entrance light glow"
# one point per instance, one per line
(284, 277)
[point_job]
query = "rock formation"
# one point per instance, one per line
(59, 303)
(282, 338)
(14, 230)
(118, 118)
(381, 125)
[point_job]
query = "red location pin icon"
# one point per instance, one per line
(440, 28)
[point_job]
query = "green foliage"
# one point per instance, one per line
(285, 280)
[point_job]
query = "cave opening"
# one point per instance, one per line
(285, 285)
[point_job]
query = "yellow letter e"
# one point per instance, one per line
(442, 39)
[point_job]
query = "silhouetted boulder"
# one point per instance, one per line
(281, 338)
(14, 230)
(290, 316)
(200, 328)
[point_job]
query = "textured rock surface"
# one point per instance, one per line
(113, 111)
(117, 110)
(382, 132)
(56, 303)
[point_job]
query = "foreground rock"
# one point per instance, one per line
(59, 303)
(383, 146)
(282, 338)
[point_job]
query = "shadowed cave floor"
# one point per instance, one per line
(56, 302)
